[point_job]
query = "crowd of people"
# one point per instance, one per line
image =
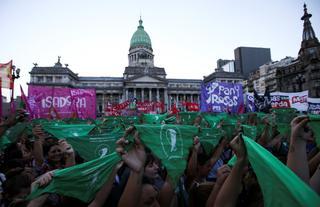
(31, 156)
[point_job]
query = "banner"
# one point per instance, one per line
(63, 101)
(314, 105)
(250, 107)
(298, 100)
(133, 108)
(222, 97)
(6, 75)
(191, 106)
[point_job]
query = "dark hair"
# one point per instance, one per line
(12, 152)
(150, 159)
(16, 180)
(47, 146)
(202, 158)
(12, 157)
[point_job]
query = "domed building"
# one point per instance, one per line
(141, 79)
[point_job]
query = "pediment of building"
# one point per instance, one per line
(146, 79)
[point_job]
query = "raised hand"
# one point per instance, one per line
(299, 130)
(196, 143)
(136, 156)
(222, 174)
(43, 180)
(38, 133)
(239, 148)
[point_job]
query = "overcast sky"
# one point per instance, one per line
(187, 37)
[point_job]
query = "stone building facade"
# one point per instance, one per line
(141, 79)
(265, 76)
(303, 73)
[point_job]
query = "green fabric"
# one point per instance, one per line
(232, 161)
(279, 185)
(250, 131)
(314, 123)
(171, 120)
(229, 130)
(209, 138)
(153, 118)
(12, 134)
(260, 128)
(284, 115)
(284, 129)
(94, 146)
(171, 144)
(231, 120)
(80, 181)
(213, 120)
(4, 142)
(188, 117)
(76, 121)
(129, 120)
(68, 130)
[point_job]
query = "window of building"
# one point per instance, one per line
(40, 79)
(49, 79)
(58, 78)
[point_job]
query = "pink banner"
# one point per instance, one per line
(61, 102)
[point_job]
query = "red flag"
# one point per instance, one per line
(6, 75)
(174, 109)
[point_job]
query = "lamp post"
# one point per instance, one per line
(15, 75)
(300, 80)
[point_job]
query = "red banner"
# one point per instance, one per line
(131, 107)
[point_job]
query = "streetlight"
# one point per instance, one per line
(15, 75)
(300, 80)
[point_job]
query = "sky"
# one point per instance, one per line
(188, 37)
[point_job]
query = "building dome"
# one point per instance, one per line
(140, 38)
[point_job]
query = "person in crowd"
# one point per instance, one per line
(297, 161)
(51, 155)
(141, 180)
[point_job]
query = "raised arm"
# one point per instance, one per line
(193, 162)
(222, 175)
(166, 193)
(103, 194)
(264, 138)
(37, 145)
(135, 159)
(230, 190)
(297, 155)
(218, 151)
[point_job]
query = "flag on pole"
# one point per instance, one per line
(6, 75)
(24, 100)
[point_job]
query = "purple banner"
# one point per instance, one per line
(250, 107)
(222, 97)
(61, 102)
